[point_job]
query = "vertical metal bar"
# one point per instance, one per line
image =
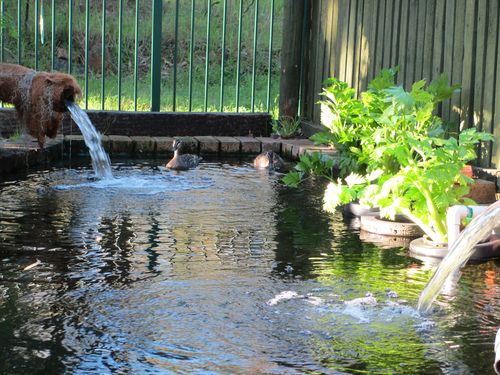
(223, 56)
(37, 31)
(191, 53)
(156, 56)
(176, 31)
(87, 37)
(270, 57)
(302, 57)
(19, 33)
(238, 62)
(53, 36)
(70, 34)
(254, 59)
(120, 37)
(42, 24)
(136, 52)
(2, 26)
(103, 54)
(207, 54)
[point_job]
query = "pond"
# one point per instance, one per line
(218, 270)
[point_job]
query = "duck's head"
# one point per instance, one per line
(270, 157)
(177, 144)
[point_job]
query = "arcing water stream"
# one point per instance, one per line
(460, 252)
(100, 159)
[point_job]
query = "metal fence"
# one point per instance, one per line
(170, 55)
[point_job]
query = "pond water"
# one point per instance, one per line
(218, 270)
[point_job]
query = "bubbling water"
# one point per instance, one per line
(100, 159)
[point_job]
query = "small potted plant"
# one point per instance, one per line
(286, 127)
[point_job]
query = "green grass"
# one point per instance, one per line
(182, 94)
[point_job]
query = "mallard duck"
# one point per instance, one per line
(269, 160)
(184, 161)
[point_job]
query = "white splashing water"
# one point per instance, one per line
(459, 253)
(92, 138)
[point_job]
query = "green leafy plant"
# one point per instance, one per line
(287, 126)
(428, 181)
(393, 153)
(16, 136)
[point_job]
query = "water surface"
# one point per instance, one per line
(217, 270)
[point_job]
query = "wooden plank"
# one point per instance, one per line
(428, 40)
(335, 37)
(437, 55)
(366, 39)
(311, 84)
(411, 44)
(495, 148)
(419, 54)
(403, 33)
(395, 33)
(357, 45)
(351, 43)
(458, 57)
(478, 64)
(378, 64)
(448, 51)
(327, 33)
(489, 81)
(467, 68)
(342, 38)
(386, 38)
(318, 78)
(372, 39)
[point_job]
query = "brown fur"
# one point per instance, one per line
(38, 98)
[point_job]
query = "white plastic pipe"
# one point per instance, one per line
(454, 216)
(496, 364)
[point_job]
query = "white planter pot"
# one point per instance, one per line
(401, 227)
(357, 209)
(483, 251)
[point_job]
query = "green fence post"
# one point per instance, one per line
(53, 36)
(70, 35)
(207, 54)
(136, 52)
(254, 58)
(174, 88)
(2, 15)
(103, 55)
(238, 60)
(87, 37)
(37, 31)
(191, 54)
(156, 56)
(19, 33)
(223, 56)
(120, 38)
(270, 57)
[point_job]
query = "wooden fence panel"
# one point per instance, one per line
(448, 50)
(353, 40)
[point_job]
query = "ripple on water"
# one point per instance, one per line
(217, 270)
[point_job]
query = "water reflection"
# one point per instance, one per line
(180, 282)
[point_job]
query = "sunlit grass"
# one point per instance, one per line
(183, 102)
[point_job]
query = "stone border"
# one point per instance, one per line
(21, 156)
